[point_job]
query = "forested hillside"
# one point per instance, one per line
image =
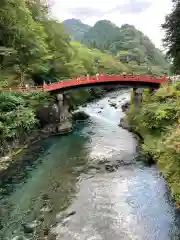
(127, 44)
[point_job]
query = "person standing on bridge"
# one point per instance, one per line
(124, 74)
(77, 78)
(101, 76)
(44, 85)
(97, 76)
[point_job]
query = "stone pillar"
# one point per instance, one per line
(137, 96)
(65, 117)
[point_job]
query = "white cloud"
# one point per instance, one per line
(145, 15)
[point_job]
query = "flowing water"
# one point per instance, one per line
(88, 185)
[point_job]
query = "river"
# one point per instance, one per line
(89, 185)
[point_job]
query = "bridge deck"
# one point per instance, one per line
(92, 80)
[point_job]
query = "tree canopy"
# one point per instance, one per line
(172, 36)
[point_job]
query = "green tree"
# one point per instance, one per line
(60, 48)
(23, 35)
(172, 35)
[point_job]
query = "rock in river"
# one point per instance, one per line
(113, 105)
(110, 168)
(80, 116)
(47, 209)
(63, 217)
(19, 238)
(45, 196)
(125, 106)
(29, 227)
(125, 124)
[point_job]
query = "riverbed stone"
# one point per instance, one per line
(29, 227)
(45, 196)
(52, 236)
(110, 168)
(41, 218)
(80, 116)
(113, 104)
(64, 127)
(71, 213)
(46, 231)
(125, 106)
(19, 238)
(47, 209)
(63, 217)
(103, 161)
(94, 166)
(124, 124)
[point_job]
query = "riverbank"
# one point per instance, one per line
(157, 122)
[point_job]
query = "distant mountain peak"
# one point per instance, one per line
(73, 20)
(105, 22)
(127, 26)
(76, 28)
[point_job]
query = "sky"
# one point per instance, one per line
(146, 15)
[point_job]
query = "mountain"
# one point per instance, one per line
(75, 28)
(126, 42)
(102, 35)
(129, 45)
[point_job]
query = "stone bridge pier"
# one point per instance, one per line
(64, 116)
(137, 96)
(55, 118)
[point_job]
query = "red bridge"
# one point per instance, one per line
(98, 80)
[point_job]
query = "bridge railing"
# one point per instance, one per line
(102, 78)
(88, 79)
(22, 89)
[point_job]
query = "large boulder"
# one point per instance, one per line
(124, 124)
(29, 227)
(80, 116)
(113, 104)
(48, 115)
(125, 106)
